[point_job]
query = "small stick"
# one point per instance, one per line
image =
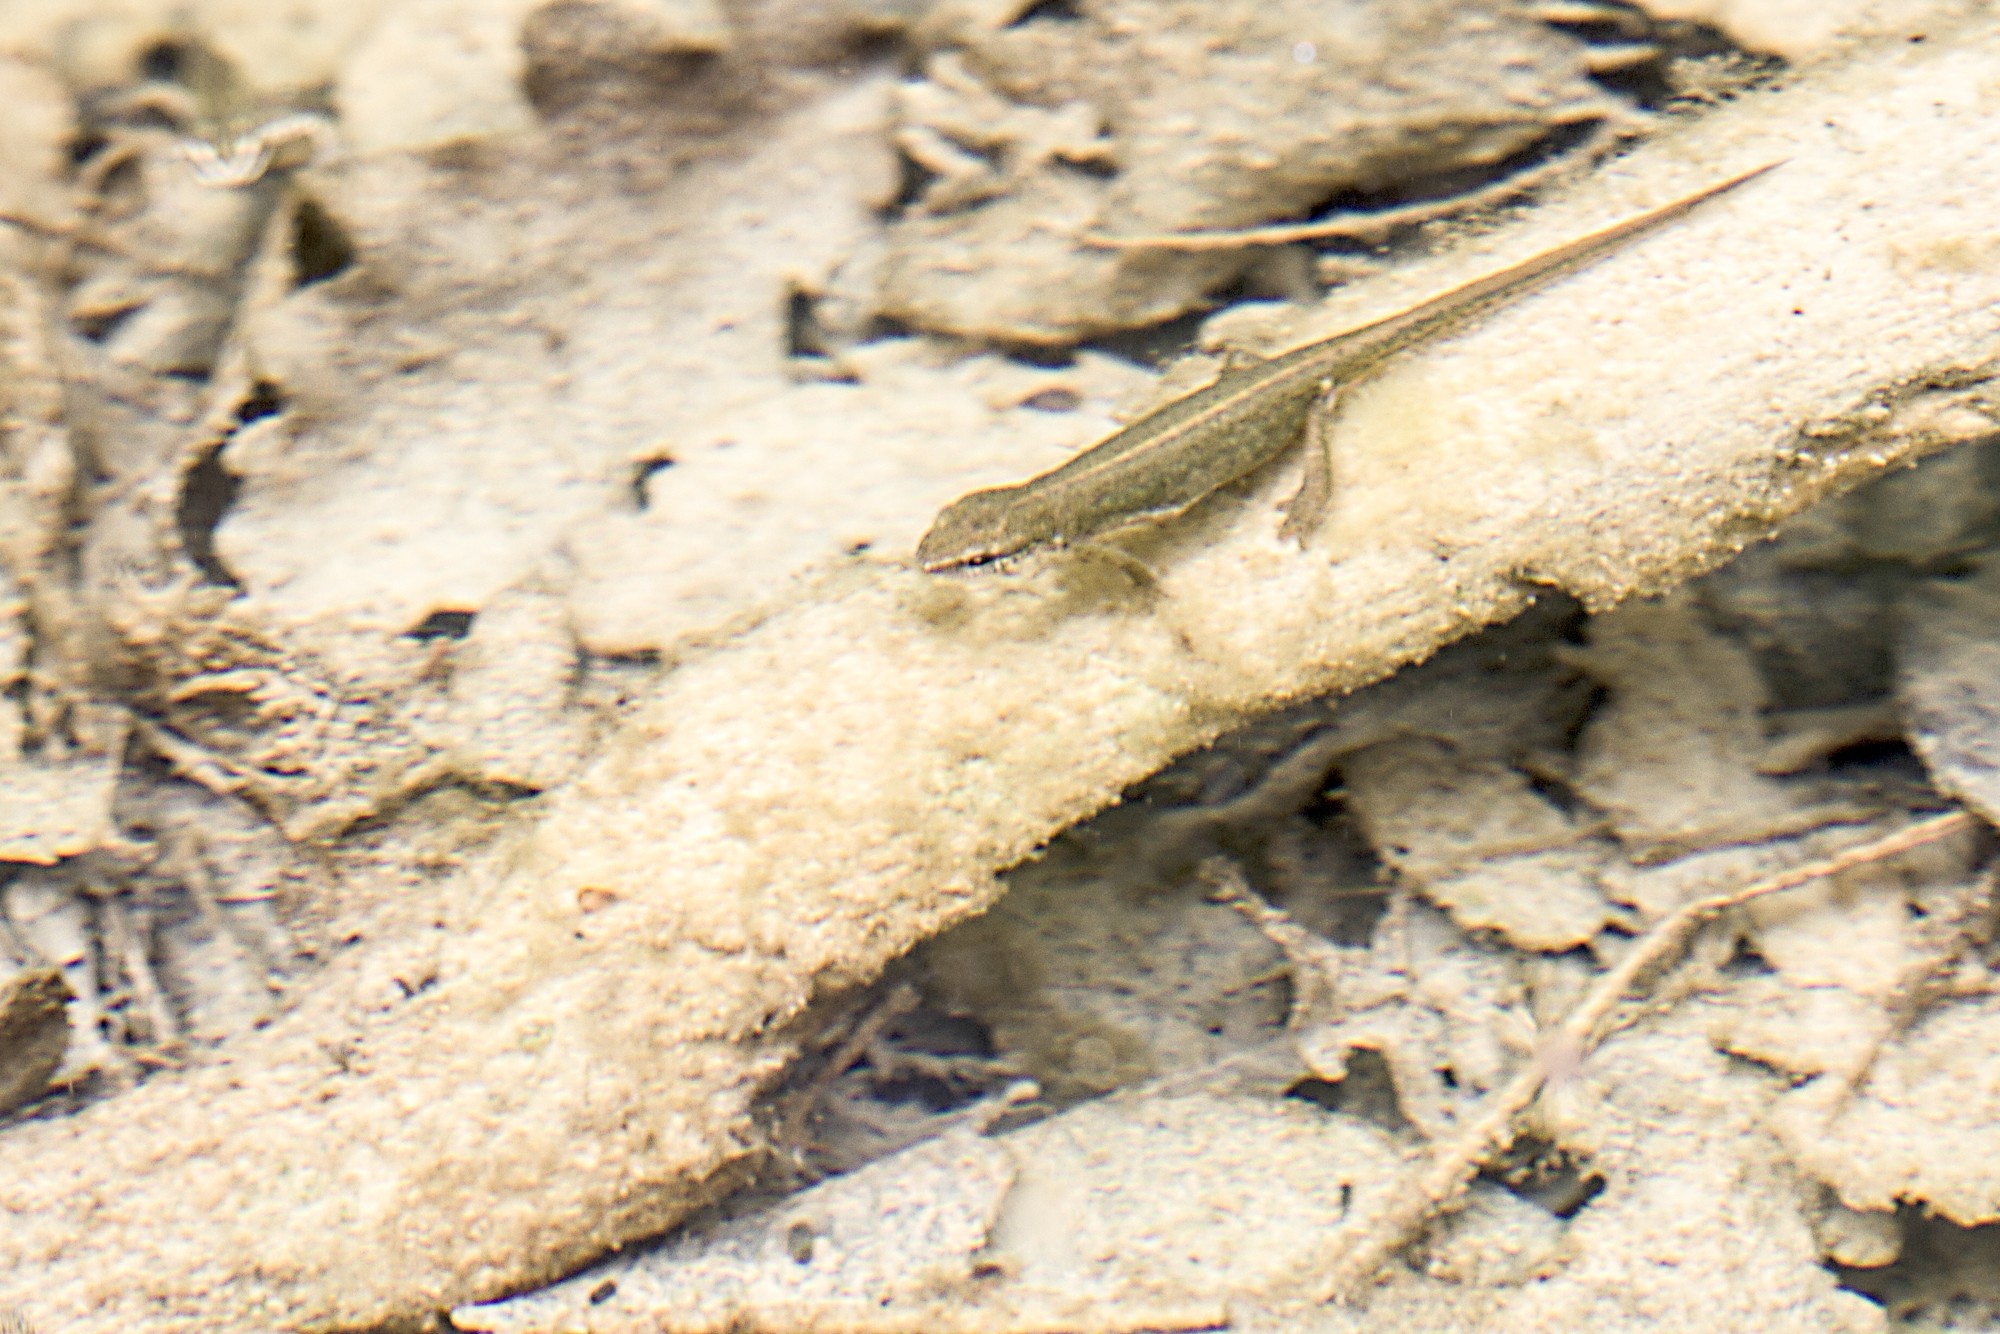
(792, 1126)
(1365, 226)
(128, 946)
(1454, 1162)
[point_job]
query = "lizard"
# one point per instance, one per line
(1175, 456)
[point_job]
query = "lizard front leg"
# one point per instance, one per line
(1307, 508)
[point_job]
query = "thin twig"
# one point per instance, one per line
(1370, 226)
(1360, 1250)
(792, 1126)
(127, 944)
(1670, 934)
(1315, 995)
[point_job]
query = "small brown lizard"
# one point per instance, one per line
(1175, 456)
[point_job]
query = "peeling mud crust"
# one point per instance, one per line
(480, 787)
(1138, 120)
(1754, 1143)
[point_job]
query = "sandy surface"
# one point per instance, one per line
(482, 766)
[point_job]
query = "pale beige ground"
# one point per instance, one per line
(552, 392)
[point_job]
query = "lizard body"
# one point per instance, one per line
(1172, 458)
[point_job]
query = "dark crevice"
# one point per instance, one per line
(1367, 1091)
(1547, 1175)
(1744, 961)
(642, 658)
(866, 49)
(1059, 11)
(443, 624)
(1354, 918)
(1153, 345)
(913, 178)
(883, 1068)
(207, 491)
(1555, 794)
(1874, 754)
(321, 247)
(1592, 697)
(85, 145)
(1651, 82)
(940, 1033)
(164, 62)
(883, 327)
(1096, 168)
(266, 400)
(804, 336)
(643, 473)
(1056, 358)
(99, 326)
(1943, 1277)
(1319, 1092)
(1444, 185)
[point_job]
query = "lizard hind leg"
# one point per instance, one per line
(1306, 510)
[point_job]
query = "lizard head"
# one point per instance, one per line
(975, 529)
